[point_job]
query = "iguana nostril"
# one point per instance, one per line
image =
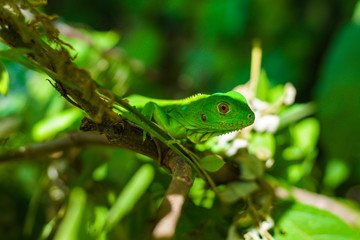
(203, 117)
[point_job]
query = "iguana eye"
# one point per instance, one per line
(249, 115)
(223, 108)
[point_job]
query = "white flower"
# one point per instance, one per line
(259, 105)
(268, 123)
(236, 145)
(290, 93)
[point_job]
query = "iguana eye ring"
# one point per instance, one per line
(223, 108)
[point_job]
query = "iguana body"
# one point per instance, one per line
(198, 117)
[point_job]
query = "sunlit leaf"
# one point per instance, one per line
(12, 104)
(336, 172)
(49, 126)
(295, 172)
(4, 79)
(130, 195)
(293, 153)
(100, 173)
(70, 226)
(356, 16)
(263, 87)
(306, 134)
(211, 163)
(275, 93)
(263, 144)
(297, 221)
(200, 194)
(100, 213)
(105, 40)
(39, 89)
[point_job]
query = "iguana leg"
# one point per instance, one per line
(148, 112)
(153, 111)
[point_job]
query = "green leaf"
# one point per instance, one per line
(356, 16)
(200, 194)
(263, 143)
(306, 134)
(251, 167)
(130, 195)
(70, 228)
(236, 190)
(336, 172)
(49, 126)
(292, 153)
(100, 173)
(4, 79)
(295, 173)
(13, 53)
(105, 40)
(100, 213)
(194, 218)
(296, 112)
(212, 163)
(263, 87)
(338, 96)
(299, 221)
(275, 93)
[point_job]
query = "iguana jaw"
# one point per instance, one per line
(203, 133)
(219, 126)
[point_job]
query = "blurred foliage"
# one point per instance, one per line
(301, 218)
(171, 49)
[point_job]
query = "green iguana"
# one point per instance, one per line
(198, 117)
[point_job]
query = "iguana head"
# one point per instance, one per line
(216, 114)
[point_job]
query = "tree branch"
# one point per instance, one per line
(170, 209)
(74, 139)
(126, 135)
(46, 148)
(121, 135)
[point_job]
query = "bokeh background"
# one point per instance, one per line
(172, 49)
(205, 46)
